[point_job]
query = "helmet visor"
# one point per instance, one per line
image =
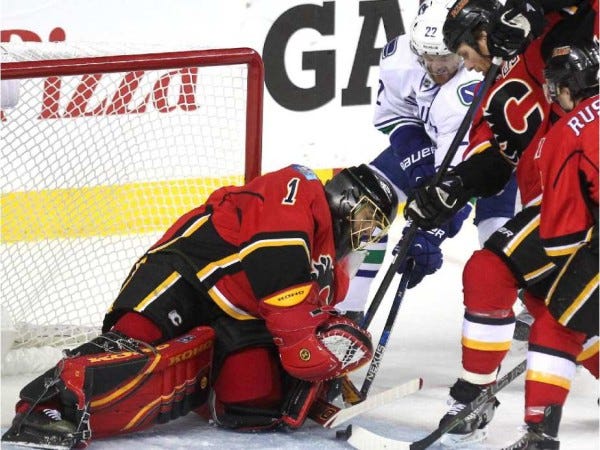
(368, 224)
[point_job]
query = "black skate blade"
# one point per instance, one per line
(34, 439)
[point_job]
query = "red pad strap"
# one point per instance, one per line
(132, 390)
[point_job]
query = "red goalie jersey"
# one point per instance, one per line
(280, 220)
(568, 157)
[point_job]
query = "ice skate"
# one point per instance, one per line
(41, 428)
(542, 435)
(474, 427)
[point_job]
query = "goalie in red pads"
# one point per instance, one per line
(232, 310)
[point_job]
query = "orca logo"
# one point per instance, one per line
(466, 92)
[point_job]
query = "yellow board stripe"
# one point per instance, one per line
(133, 208)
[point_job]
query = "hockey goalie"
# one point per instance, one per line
(230, 314)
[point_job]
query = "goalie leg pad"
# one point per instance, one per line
(113, 393)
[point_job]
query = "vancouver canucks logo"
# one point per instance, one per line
(322, 271)
(466, 92)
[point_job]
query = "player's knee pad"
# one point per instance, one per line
(134, 385)
(488, 283)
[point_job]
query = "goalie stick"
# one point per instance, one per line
(330, 416)
(350, 393)
(362, 439)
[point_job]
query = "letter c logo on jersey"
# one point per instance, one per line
(466, 92)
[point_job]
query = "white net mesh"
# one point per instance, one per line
(96, 166)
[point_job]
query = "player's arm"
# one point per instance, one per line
(482, 175)
(293, 301)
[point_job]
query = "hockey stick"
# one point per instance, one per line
(361, 438)
(350, 393)
(329, 415)
(387, 329)
(409, 235)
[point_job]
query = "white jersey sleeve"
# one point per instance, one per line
(447, 111)
(399, 74)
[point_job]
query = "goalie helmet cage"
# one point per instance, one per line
(100, 154)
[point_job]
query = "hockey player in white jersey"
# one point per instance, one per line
(424, 93)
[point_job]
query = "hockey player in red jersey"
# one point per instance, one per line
(233, 309)
(568, 161)
(513, 117)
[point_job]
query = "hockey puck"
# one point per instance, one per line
(344, 434)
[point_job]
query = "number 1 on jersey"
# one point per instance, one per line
(292, 186)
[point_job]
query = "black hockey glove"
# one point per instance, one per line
(431, 206)
(514, 26)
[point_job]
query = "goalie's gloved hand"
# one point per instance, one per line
(514, 26)
(314, 343)
(431, 206)
(425, 248)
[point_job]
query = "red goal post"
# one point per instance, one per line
(101, 152)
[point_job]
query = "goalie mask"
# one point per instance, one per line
(574, 67)
(363, 204)
(427, 42)
(465, 18)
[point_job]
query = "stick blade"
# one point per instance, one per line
(375, 401)
(363, 439)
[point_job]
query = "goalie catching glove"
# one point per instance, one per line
(314, 342)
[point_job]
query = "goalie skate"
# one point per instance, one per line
(41, 429)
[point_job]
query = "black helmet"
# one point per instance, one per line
(573, 66)
(465, 17)
(348, 193)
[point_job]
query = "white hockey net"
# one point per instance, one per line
(100, 154)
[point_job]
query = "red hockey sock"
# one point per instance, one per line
(588, 358)
(553, 349)
(138, 327)
(490, 290)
